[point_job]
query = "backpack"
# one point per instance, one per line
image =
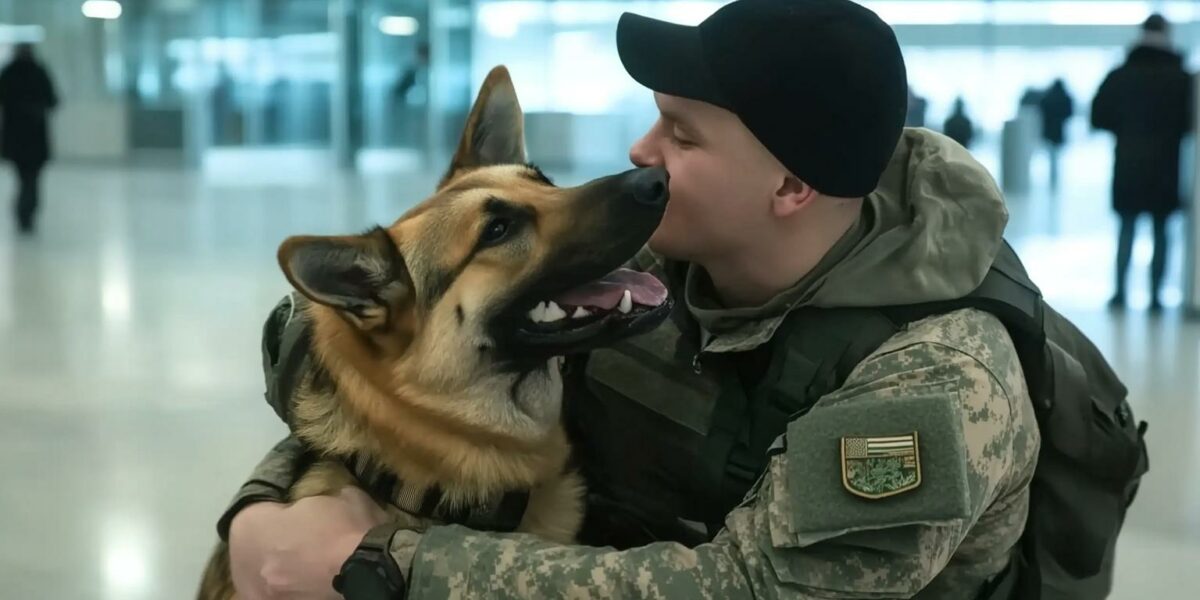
(1093, 451)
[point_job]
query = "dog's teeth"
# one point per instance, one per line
(580, 312)
(538, 313)
(626, 303)
(554, 313)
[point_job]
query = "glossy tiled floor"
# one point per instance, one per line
(130, 385)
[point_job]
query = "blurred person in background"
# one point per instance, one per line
(958, 126)
(408, 79)
(916, 109)
(1147, 104)
(407, 98)
(26, 98)
(1056, 107)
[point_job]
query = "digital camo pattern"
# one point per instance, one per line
(967, 354)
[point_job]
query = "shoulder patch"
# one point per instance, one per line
(881, 460)
(880, 467)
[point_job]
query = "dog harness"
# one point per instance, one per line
(501, 513)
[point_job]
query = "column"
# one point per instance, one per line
(1191, 256)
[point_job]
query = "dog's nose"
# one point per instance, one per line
(649, 186)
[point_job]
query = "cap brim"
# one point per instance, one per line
(667, 58)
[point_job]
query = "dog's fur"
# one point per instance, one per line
(416, 370)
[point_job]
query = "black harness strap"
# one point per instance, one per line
(502, 513)
(811, 354)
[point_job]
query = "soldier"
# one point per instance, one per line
(795, 194)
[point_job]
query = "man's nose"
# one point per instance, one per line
(644, 152)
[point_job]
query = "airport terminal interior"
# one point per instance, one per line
(193, 136)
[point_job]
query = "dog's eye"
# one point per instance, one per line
(496, 230)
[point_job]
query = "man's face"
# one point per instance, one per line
(722, 179)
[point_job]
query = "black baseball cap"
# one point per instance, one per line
(821, 83)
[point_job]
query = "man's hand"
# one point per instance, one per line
(293, 551)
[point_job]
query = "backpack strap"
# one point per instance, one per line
(1008, 294)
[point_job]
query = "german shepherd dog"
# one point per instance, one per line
(437, 342)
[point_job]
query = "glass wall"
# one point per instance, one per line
(355, 79)
(264, 68)
(156, 90)
(388, 82)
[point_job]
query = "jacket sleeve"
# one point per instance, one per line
(269, 482)
(275, 474)
(1106, 105)
(798, 534)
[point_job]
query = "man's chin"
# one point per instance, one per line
(665, 245)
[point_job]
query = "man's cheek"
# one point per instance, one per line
(675, 215)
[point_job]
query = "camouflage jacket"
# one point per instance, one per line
(954, 378)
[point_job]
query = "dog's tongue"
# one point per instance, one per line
(606, 292)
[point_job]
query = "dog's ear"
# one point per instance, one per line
(495, 130)
(364, 277)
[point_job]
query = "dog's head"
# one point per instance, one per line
(499, 271)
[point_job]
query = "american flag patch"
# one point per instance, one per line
(880, 466)
(902, 445)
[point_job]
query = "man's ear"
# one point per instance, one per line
(495, 129)
(791, 196)
(363, 277)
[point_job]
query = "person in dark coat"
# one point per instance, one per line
(408, 79)
(1147, 104)
(958, 126)
(1056, 107)
(26, 98)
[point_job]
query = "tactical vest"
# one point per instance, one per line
(669, 450)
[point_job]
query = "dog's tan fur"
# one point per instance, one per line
(414, 389)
